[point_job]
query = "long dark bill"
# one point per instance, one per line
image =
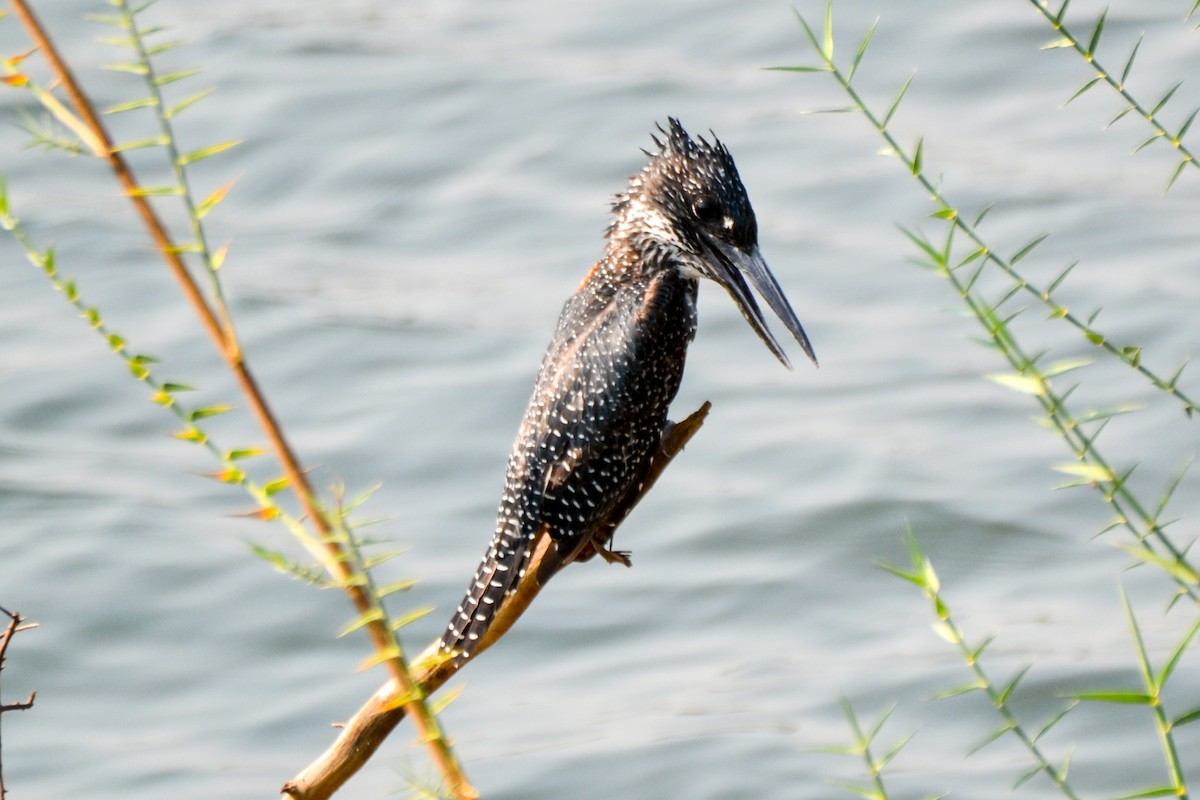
(729, 264)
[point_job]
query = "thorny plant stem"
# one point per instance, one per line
(1117, 496)
(227, 345)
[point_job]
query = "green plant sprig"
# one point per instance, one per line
(1091, 468)
(1130, 355)
(85, 123)
(134, 38)
(1153, 683)
(861, 749)
(163, 394)
(1097, 471)
(923, 576)
(1151, 115)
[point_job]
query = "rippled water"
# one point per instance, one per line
(420, 186)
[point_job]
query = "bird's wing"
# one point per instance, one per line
(594, 421)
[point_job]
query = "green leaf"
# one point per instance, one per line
(993, 736)
(171, 77)
(951, 213)
(1175, 174)
(137, 68)
(1066, 365)
(276, 486)
(155, 191)
(412, 616)
(862, 50)
(387, 654)
(887, 118)
(1091, 48)
(1080, 92)
(136, 144)
(1147, 143)
(1019, 383)
(209, 411)
(1165, 673)
(957, 690)
(1129, 63)
(1159, 791)
(205, 152)
(1166, 97)
(1114, 696)
(1012, 685)
(827, 37)
(918, 156)
(1187, 717)
(1027, 249)
(1028, 776)
(1091, 472)
(187, 102)
(797, 69)
(363, 620)
(141, 102)
(1064, 41)
(1187, 123)
(398, 586)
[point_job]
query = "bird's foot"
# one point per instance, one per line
(614, 556)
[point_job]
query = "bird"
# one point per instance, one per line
(599, 405)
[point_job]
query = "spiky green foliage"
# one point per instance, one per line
(922, 575)
(862, 749)
(1151, 113)
(1031, 374)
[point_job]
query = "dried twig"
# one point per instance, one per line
(15, 625)
(368, 728)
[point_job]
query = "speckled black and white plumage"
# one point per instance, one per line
(599, 407)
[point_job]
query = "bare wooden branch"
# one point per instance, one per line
(363, 733)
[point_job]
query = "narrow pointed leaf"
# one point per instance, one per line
(896, 103)
(276, 486)
(918, 156)
(1129, 63)
(412, 616)
(1091, 472)
(1165, 99)
(218, 256)
(155, 191)
(128, 66)
(1028, 776)
(1091, 48)
(375, 615)
(862, 50)
(209, 411)
(827, 35)
(1115, 696)
(205, 152)
(1080, 91)
(1066, 365)
(1160, 791)
(211, 201)
(187, 102)
(1027, 249)
(1175, 174)
(137, 144)
(172, 77)
(398, 586)
(1019, 383)
(1187, 717)
(993, 736)
(380, 657)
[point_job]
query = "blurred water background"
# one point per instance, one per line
(421, 185)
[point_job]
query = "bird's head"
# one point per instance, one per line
(688, 210)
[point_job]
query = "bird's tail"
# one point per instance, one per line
(497, 577)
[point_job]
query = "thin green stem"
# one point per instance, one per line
(1115, 493)
(925, 578)
(1103, 75)
(1131, 356)
(178, 166)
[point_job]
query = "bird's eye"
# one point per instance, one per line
(707, 210)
